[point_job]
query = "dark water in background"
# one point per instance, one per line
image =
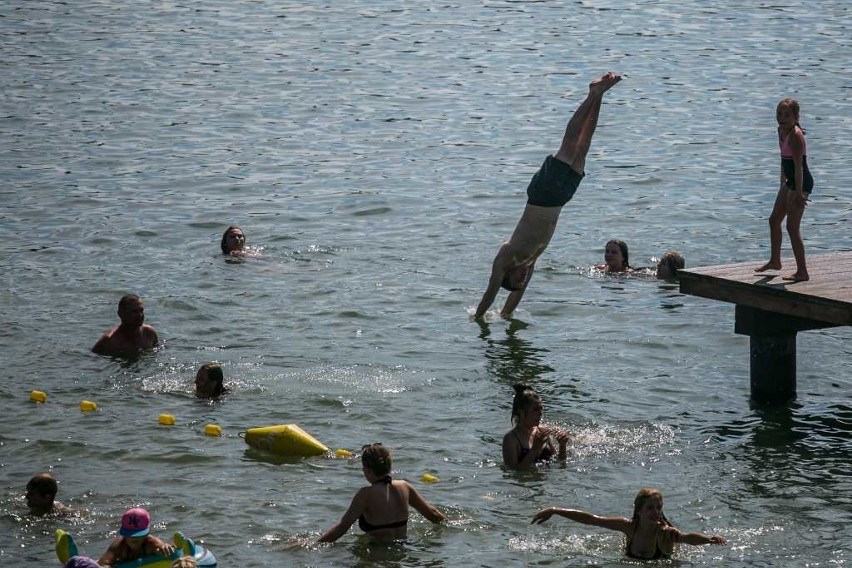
(377, 154)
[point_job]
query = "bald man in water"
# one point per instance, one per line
(550, 189)
(132, 334)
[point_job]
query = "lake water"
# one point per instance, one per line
(376, 154)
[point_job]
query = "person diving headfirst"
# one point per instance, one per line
(550, 189)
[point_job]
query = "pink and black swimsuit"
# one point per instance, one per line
(789, 168)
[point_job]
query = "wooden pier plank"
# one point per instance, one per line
(826, 297)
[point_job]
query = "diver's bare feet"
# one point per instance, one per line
(606, 82)
(798, 276)
(769, 266)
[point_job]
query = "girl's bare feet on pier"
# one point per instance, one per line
(769, 266)
(797, 276)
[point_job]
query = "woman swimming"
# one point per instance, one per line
(233, 241)
(649, 533)
(381, 509)
(529, 442)
(616, 257)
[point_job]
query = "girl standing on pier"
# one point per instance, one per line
(796, 186)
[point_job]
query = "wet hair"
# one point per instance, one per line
(214, 372)
(793, 105)
(674, 260)
(525, 396)
(622, 246)
(646, 494)
(44, 484)
(184, 562)
(127, 299)
(225, 249)
(377, 458)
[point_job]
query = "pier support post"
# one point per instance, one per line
(772, 342)
(773, 367)
(772, 311)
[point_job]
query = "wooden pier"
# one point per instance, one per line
(771, 311)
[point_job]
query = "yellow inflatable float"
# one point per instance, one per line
(284, 440)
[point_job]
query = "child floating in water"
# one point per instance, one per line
(649, 533)
(135, 540)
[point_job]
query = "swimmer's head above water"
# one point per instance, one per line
(233, 240)
(668, 266)
(526, 405)
(616, 256)
(209, 381)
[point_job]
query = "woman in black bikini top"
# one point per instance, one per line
(382, 508)
(367, 526)
(529, 442)
(649, 533)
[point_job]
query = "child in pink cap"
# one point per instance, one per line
(135, 540)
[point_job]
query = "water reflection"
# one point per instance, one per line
(670, 297)
(822, 433)
(790, 447)
(513, 359)
(368, 552)
(132, 361)
(776, 429)
(531, 480)
(252, 454)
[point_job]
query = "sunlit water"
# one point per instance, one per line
(376, 154)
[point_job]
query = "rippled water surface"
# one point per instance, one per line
(376, 154)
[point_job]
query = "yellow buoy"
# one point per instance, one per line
(213, 430)
(341, 453)
(428, 478)
(88, 406)
(285, 440)
(166, 420)
(38, 396)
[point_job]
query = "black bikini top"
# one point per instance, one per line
(658, 551)
(545, 454)
(366, 526)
